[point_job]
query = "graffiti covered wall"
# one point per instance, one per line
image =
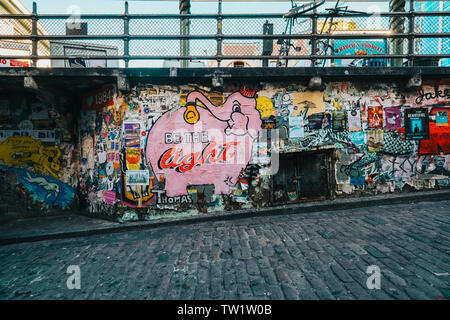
(37, 171)
(167, 149)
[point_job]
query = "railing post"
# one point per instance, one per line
(185, 8)
(219, 33)
(126, 35)
(314, 38)
(397, 26)
(411, 34)
(34, 33)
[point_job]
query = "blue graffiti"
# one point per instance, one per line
(44, 189)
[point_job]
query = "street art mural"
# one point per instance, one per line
(18, 151)
(37, 155)
(45, 189)
(198, 145)
(189, 149)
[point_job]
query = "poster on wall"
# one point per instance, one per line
(438, 141)
(442, 118)
(358, 138)
(338, 120)
(133, 157)
(416, 124)
(261, 154)
(393, 118)
(375, 141)
(132, 134)
(375, 117)
(315, 121)
(137, 178)
(354, 120)
(296, 127)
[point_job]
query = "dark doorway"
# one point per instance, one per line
(302, 176)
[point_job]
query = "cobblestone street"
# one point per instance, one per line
(321, 255)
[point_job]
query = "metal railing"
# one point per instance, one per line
(228, 39)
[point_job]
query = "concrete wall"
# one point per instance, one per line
(164, 150)
(168, 150)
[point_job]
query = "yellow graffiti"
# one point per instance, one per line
(265, 105)
(191, 114)
(133, 156)
(216, 99)
(141, 196)
(20, 151)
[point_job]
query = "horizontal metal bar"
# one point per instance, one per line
(302, 57)
(214, 16)
(227, 36)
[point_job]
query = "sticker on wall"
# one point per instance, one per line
(393, 118)
(375, 140)
(109, 196)
(309, 102)
(354, 119)
(416, 124)
(132, 134)
(338, 121)
(137, 177)
(442, 118)
(110, 168)
(133, 157)
(296, 127)
(358, 139)
(375, 117)
(260, 153)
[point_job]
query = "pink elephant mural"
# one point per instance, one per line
(201, 143)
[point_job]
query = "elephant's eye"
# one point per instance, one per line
(236, 108)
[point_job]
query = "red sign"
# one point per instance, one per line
(99, 99)
(14, 63)
(174, 158)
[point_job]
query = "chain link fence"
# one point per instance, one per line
(239, 40)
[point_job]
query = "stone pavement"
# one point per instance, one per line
(74, 225)
(318, 255)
